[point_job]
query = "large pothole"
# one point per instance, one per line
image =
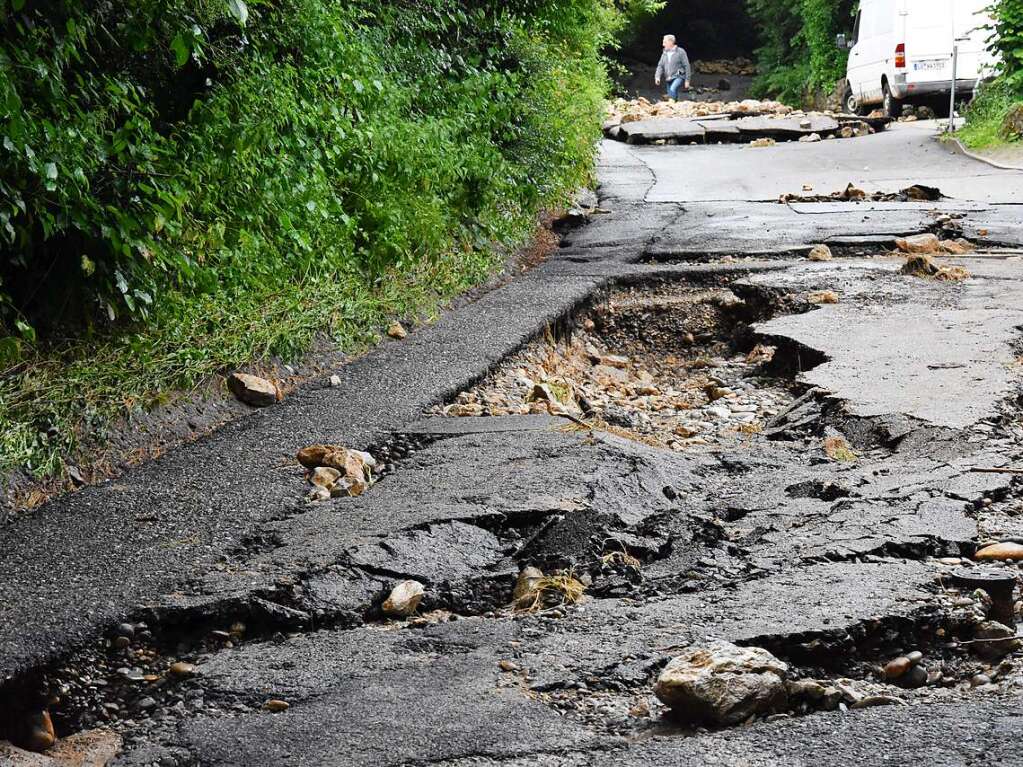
(674, 365)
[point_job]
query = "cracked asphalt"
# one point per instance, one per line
(835, 566)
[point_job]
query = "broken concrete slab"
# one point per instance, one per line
(662, 129)
(786, 127)
(948, 367)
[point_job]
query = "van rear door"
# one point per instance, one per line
(931, 26)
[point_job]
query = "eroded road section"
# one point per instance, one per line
(715, 502)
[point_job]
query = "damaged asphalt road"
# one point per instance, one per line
(835, 559)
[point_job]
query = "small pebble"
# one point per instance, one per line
(181, 669)
(979, 680)
(276, 705)
(507, 665)
(897, 668)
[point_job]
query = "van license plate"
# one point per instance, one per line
(929, 65)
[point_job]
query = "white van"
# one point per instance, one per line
(901, 50)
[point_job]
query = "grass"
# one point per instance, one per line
(985, 118)
(68, 395)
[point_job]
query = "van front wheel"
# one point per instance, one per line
(892, 105)
(852, 104)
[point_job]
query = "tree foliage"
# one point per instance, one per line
(798, 58)
(205, 146)
(1007, 42)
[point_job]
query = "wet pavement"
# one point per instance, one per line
(823, 523)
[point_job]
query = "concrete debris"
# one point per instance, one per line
(922, 265)
(811, 138)
(721, 683)
(404, 599)
(626, 111)
(915, 193)
(959, 247)
(820, 253)
(919, 243)
(762, 142)
(823, 297)
(253, 390)
(325, 476)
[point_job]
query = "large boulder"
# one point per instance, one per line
(721, 683)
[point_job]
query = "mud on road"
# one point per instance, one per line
(703, 445)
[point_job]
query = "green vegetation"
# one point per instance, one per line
(190, 185)
(996, 116)
(798, 59)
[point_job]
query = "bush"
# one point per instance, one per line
(165, 161)
(990, 118)
(798, 59)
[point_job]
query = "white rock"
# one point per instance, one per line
(719, 411)
(723, 684)
(325, 476)
(404, 599)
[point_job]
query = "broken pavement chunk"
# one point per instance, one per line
(822, 297)
(403, 599)
(253, 390)
(919, 243)
(723, 684)
(325, 476)
(922, 265)
(922, 193)
(820, 253)
(959, 247)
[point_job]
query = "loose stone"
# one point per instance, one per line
(181, 670)
(722, 683)
(1000, 552)
(253, 390)
(821, 253)
(404, 599)
(276, 705)
(397, 331)
(896, 668)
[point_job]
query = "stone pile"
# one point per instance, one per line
(740, 66)
(633, 110)
(336, 471)
(668, 401)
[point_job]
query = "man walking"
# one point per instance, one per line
(673, 69)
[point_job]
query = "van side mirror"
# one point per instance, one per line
(842, 42)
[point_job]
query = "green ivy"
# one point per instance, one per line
(1007, 42)
(798, 58)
